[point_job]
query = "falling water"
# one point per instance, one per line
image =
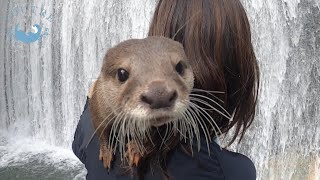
(285, 139)
(43, 84)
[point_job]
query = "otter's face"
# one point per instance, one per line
(146, 80)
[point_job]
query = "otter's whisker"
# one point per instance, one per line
(202, 90)
(210, 93)
(213, 127)
(198, 95)
(207, 104)
(205, 115)
(162, 139)
(186, 131)
(149, 137)
(193, 128)
(180, 128)
(166, 134)
(170, 129)
(113, 132)
(181, 134)
(204, 129)
(126, 134)
(102, 122)
(121, 142)
(104, 128)
(136, 134)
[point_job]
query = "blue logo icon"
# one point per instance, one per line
(37, 32)
(30, 36)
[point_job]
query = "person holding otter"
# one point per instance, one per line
(216, 38)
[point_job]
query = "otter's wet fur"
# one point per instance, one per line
(141, 104)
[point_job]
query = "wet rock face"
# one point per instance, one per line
(43, 83)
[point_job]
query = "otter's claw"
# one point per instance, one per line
(106, 156)
(133, 154)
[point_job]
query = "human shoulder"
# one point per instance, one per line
(236, 166)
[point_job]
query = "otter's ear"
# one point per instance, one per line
(92, 88)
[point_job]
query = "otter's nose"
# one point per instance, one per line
(158, 97)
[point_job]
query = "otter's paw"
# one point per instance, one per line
(106, 156)
(133, 154)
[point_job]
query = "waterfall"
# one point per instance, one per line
(43, 84)
(285, 138)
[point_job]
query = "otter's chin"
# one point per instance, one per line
(162, 121)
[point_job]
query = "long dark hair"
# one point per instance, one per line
(217, 39)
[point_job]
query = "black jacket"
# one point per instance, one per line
(220, 165)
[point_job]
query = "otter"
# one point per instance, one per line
(139, 104)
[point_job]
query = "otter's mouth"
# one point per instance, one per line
(159, 121)
(158, 117)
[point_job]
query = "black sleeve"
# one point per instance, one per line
(86, 147)
(83, 128)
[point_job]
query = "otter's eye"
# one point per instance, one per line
(180, 68)
(122, 75)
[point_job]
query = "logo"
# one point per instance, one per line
(34, 25)
(30, 37)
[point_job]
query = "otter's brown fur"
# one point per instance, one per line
(143, 84)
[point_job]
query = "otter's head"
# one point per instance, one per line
(145, 80)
